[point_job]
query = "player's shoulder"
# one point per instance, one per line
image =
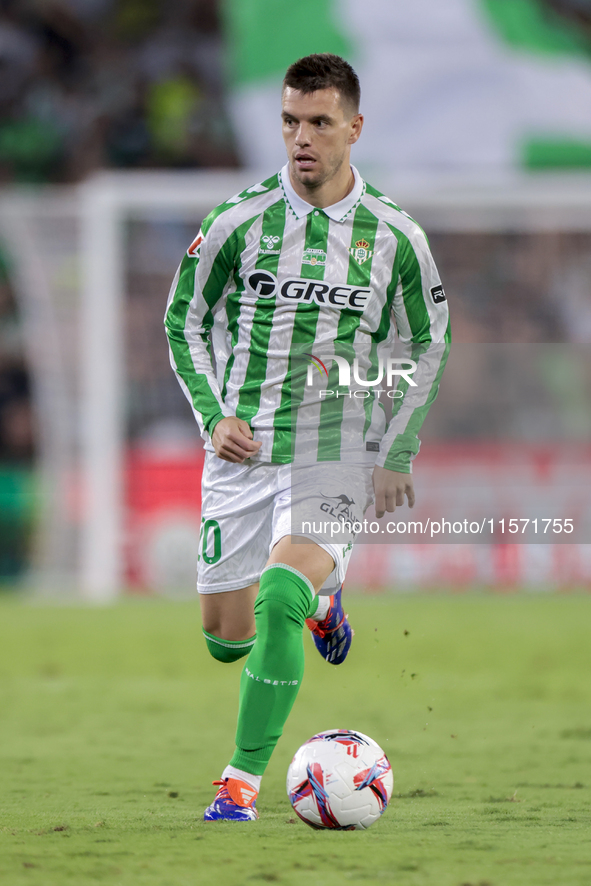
(391, 213)
(249, 203)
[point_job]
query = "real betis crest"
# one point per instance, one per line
(361, 251)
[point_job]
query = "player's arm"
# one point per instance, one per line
(420, 312)
(196, 292)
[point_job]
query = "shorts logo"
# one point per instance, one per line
(314, 257)
(338, 506)
(437, 294)
(268, 245)
(264, 284)
(361, 251)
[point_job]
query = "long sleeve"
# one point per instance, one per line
(197, 292)
(420, 313)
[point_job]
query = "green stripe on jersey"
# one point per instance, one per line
(262, 324)
(406, 445)
(202, 395)
(408, 267)
(233, 305)
(248, 194)
(363, 231)
(365, 228)
(304, 330)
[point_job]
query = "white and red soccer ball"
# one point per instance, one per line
(340, 780)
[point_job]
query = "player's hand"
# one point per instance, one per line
(390, 487)
(232, 440)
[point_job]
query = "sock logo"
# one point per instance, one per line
(270, 682)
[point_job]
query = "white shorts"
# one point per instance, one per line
(247, 509)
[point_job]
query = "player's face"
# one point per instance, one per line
(318, 130)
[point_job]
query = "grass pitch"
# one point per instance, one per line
(115, 721)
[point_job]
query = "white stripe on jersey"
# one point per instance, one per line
(382, 263)
(241, 350)
(427, 369)
(429, 275)
(399, 311)
(225, 224)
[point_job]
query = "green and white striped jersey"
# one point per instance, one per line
(267, 273)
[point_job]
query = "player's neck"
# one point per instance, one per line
(329, 193)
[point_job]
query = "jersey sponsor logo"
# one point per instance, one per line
(336, 295)
(314, 257)
(361, 251)
(264, 284)
(193, 249)
(268, 245)
(437, 294)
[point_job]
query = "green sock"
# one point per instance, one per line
(274, 669)
(227, 650)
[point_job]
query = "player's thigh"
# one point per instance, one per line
(321, 511)
(229, 615)
(235, 526)
(308, 558)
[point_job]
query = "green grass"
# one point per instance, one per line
(114, 721)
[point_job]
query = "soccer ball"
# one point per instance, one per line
(341, 780)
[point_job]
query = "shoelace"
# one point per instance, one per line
(223, 793)
(321, 632)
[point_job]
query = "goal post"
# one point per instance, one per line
(107, 200)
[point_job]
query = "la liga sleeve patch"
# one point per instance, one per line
(194, 247)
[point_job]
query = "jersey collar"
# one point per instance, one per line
(337, 212)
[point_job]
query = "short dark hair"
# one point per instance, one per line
(325, 71)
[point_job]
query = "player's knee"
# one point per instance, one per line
(227, 650)
(271, 615)
(282, 604)
(284, 584)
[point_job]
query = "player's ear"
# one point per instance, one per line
(356, 127)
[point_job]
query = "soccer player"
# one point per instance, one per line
(313, 254)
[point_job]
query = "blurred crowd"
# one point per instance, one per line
(87, 84)
(577, 11)
(16, 439)
(16, 431)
